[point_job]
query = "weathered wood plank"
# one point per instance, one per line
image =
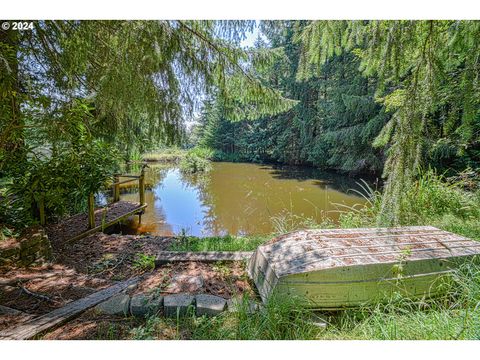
(91, 211)
(380, 230)
(108, 224)
(165, 257)
(38, 325)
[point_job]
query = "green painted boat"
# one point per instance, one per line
(339, 268)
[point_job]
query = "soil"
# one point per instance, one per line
(92, 326)
(113, 257)
(221, 279)
(41, 289)
(85, 266)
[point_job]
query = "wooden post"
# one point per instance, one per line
(141, 186)
(41, 209)
(91, 211)
(116, 189)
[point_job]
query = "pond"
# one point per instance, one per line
(238, 199)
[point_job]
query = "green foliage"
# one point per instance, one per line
(70, 165)
(430, 200)
(196, 160)
(218, 243)
(144, 262)
(426, 75)
(167, 155)
(69, 88)
(332, 125)
(281, 319)
(432, 197)
(288, 221)
(7, 232)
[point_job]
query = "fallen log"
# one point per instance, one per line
(5, 310)
(38, 325)
(165, 257)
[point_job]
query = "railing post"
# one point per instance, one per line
(41, 210)
(116, 188)
(91, 211)
(141, 186)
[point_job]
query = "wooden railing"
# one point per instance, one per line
(116, 195)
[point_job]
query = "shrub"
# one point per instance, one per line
(63, 179)
(432, 196)
(196, 160)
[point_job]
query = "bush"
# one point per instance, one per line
(219, 155)
(196, 160)
(62, 168)
(64, 179)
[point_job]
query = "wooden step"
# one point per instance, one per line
(40, 324)
(165, 257)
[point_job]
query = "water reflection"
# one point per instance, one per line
(236, 198)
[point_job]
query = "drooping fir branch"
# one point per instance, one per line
(417, 64)
(141, 77)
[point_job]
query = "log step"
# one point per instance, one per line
(165, 257)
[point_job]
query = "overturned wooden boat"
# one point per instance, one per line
(338, 268)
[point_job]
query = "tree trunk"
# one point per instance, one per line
(11, 122)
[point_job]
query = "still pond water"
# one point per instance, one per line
(237, 199)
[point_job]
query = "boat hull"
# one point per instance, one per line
(336, 287)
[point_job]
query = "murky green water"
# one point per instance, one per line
(237, 198)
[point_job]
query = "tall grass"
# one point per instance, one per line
(280, 319)
(453, 316)
(218, 243)
(432, 200)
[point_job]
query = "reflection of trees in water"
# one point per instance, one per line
(321, 178)
(154, 219)
(154, 175)
(208, 198)
(242, 198)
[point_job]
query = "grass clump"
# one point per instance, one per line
(218, 243)
(7, 232)
(144, 262)
(280, 319)
(287, 221)
(196, 160)
(432, 200)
